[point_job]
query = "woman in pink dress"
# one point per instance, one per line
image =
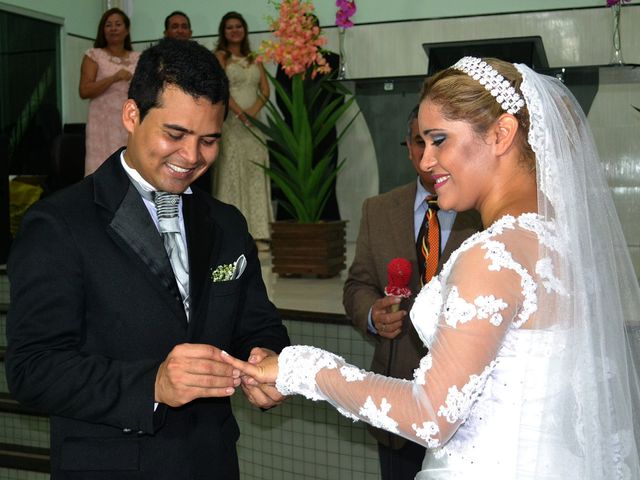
(104, 79)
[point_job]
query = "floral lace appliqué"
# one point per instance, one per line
(501, 258)
(297, 369)
(458, 310)
(352, 374)
(545, 231)
(544, 269)
(530, 302)
(420, 373)
(429, 303)
(426, 432)
(378, 416)
(490, 307)
(459, 402)
(498, 255)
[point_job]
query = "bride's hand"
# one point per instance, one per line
(266, 371)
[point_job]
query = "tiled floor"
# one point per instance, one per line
(307, 294)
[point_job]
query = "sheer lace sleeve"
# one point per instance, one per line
(486, 292)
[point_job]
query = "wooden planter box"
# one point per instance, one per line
(308, 248)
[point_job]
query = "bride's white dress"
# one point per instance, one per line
(477, 399)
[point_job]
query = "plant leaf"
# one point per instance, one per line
(306, 186)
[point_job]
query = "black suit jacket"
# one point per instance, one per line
(94, 311)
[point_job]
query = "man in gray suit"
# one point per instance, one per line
(389, 229)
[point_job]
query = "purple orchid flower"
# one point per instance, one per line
(346, 9)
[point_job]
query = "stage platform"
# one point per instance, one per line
(306, 294)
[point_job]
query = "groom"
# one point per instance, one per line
(117, 322)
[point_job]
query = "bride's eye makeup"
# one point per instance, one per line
(437, 139)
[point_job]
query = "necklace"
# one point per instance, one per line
(124, 60)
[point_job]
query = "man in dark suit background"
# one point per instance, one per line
(388, 229)
(177, 25)
(103, 333)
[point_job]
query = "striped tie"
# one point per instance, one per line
(428, 242)
(169, 225)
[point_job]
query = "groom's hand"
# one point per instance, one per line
(193, 371)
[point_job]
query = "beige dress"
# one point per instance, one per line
(237, 179)
(105, 132)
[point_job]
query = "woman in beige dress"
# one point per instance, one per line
(238, 179)
(104, 79)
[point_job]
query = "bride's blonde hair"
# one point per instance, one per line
(462, 98)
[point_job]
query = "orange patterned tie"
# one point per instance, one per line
(429, 241)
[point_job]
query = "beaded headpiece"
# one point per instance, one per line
(504, 93)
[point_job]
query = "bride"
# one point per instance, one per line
(529, 373)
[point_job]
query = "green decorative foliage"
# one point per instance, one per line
(305, 186)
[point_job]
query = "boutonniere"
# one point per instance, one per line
(229, 271)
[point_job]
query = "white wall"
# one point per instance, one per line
(148, 15)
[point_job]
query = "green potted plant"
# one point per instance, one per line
(305, 245)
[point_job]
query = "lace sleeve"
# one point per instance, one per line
(480, 300)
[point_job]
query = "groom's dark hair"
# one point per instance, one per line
(183, 63)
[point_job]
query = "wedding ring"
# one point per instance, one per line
(382, 327)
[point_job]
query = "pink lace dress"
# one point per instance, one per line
(105, 132)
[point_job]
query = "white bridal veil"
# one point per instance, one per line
(593, 395)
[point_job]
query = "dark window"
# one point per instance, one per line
(29, 92)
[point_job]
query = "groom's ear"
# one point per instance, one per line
(130, 115)
(504, 133)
